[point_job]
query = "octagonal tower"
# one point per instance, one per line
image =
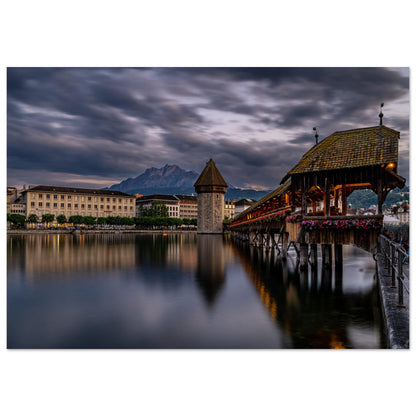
(210, 187)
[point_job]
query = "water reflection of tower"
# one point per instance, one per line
(210, 272)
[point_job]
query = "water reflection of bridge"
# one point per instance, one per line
(312, 309)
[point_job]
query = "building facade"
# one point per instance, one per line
(59, 200)
(145, 202)
(243, 204)
(210, 187)
(14, 201)
(188, 206)
(229, 210)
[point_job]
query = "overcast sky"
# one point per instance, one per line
(94, 127)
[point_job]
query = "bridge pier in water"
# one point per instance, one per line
(326, 255)
(313, 255)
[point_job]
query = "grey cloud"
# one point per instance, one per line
(119, 121)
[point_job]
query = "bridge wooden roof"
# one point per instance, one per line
(350, 149)
(210, 176)
(279, 191)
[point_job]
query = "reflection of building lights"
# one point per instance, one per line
(335, 343)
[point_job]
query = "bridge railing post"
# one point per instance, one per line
(400, 277)
(391, 268)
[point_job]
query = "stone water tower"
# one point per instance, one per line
(210, 187)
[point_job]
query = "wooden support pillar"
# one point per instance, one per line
(381, 196)
(338, 254)
(285, 241)
(268, 244)
(314, 255)
(303, 200)
(304, 204)
(336, 198)
(303, 256)
(327, 200)
(314, 207)
(344, 200)
(326, 255)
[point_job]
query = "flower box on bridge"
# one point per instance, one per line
(361, 231)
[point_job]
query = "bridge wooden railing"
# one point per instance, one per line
(395, 258)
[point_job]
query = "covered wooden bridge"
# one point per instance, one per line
(310, 205)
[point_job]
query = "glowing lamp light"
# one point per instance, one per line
(390, 166)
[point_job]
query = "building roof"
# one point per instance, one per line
(350, 149)
(210, 176)
(64, 189)
(157, 197)
(245, 201)
(186, 198)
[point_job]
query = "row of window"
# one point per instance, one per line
(68, 214)
(69, 205)
(82, 198)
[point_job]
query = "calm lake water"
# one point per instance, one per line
(182, 291)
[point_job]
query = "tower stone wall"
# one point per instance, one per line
(210, 187)
(210, 213)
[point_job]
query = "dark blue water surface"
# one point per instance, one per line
(182, 291)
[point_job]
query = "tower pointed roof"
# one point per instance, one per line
(210, 176)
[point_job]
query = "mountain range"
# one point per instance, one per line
(171, 179)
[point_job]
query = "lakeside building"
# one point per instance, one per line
(229, 209)
(60, 200)
(402, 214)
(188, 206)
(242, 204)
(179, 206)
(15, 204)
(145, 202)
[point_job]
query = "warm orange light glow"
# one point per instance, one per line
(390, 166)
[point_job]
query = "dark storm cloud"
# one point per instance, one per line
(255, 122)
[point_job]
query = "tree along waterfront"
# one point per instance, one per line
(18, 221)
